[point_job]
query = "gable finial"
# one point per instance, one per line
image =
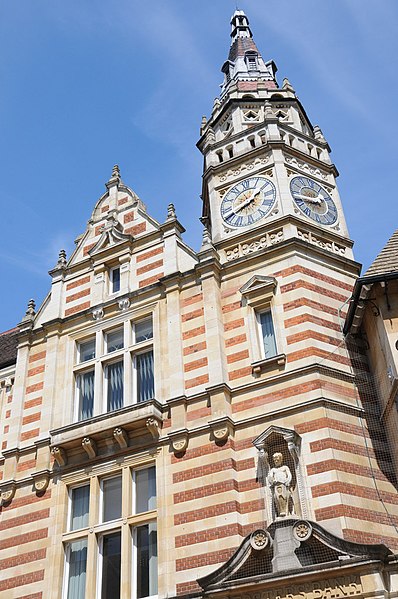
(115, 178)
(171, 212)
(61, 259)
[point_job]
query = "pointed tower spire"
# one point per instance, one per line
(245, 64)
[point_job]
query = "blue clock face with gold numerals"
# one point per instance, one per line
(248, 202)
(313, 200)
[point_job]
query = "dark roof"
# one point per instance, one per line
(240, 46)
(8, 347)
(387, 261)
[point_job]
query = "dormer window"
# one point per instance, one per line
(251, 61)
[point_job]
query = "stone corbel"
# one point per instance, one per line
(222, 428)
(153, 427)
(121, 438)
(7, 492)
(59, 455)
(41, 480)
(98, 313)
(179, 440)
(124, 304)
(90, 447)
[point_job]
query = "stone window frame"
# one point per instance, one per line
(128, 355)
(96, 529)
(258, 295)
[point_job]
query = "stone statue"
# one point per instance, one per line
(279, 479)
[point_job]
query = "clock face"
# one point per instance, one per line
(248, 202)
(313, 200)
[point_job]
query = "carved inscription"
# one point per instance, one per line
(334, 588)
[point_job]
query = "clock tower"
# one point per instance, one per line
(264, 162)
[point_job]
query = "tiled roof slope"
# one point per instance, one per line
(8, 347)
(387, 261)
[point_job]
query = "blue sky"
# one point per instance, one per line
(85, 85)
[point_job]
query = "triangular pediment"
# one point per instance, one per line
(258, 282)
(258, 558)
(273, 431)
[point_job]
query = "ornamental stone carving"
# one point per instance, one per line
(260, 539)
(279, 479)
(89, 447)
(120, 436)
(153, 427)
(179, 441)
(59, 455)
(41, 481)
(7, 492)
(302, 530)
(98, 313)
(124, 304)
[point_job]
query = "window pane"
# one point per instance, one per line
(145, 381)
(114, 340)
(80, 502)
(267, 329)
(77, 560)
(147, 560)
(87, 350)
(143, 330)
(114, 376)
(85, 389)
(145, 490)
(112, 498)
(111, 566)
(115, 280)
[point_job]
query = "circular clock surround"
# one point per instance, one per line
(248, 202)
(313, 200)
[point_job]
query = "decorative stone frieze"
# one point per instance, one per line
(299, 164)
(265, 241)
(321, 242)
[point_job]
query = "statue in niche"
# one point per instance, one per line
(279, 479)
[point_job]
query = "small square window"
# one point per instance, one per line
(86, 350)
(79, 498)
(267, 334)
(114, 340)
(143, 330)
(111, 498)
(145, 490)
(114, 276)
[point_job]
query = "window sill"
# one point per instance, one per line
(276, 362)
(101, 427)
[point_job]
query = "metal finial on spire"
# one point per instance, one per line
(171, 212)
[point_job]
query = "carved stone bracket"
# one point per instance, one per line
(89, 447)
(41, 480)
(179, 440)
(153, 426)
(222, 428)
(124, 304)
(7, 492)
(120, 436)
(59, 455)
(98, 313)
